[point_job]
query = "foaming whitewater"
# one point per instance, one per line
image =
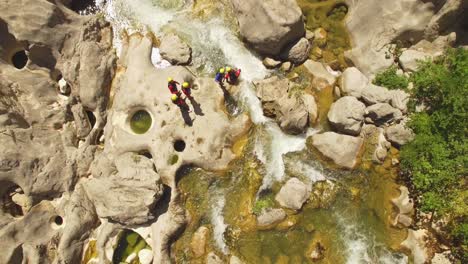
(362, 249)
(217, 220)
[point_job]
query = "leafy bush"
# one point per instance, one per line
(437, 159)
(390, 79)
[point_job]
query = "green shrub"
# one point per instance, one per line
(437, 159)
(390, 79)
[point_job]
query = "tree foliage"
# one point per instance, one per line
(437, 159)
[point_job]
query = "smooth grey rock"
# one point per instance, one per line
(270, 216)
(129, 194)
(174, 50)
(373, 94)
(319, 70)
(271, 63)
(269, 25)
(410, 59)
(346, 115)
(297, 53)
(399, 99)
(382, 113)
(342, 149)
(399, 134)
(293, 194)
(352, 82)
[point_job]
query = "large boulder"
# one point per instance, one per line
(293, 194)
(406, 20)
(352, 82)
(342, 149)
(269, 25)
(399, 99)
(346, 115)
(319, 70)
(133, 179)
(293, 113)
(382, 113)
(399, 134)
(411, 59)
(373, 94)
(297, 53)
(174, 50)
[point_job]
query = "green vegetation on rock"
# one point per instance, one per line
(390, 79)
(437, 160)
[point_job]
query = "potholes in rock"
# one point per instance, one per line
(128, 242)
(140, 122)
(84, 7)
(91, 118)
(58, 220)
(19, 59)
(179, 145)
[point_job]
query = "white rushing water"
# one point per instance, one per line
(215, 45)
(217, 219)
(362, 248)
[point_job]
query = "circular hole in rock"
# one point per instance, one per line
(84, 7)
(91, 118)
(58, 220)
(140, 122)
(179, 145)
(19, 59)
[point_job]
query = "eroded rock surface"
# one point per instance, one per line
(343, 150)
(269, 25)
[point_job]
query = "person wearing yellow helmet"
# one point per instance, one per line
(219, 78)
(172, 85)
(232, 75)
(186, 89)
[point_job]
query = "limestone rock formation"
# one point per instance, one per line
(382, 113)
(269, 25)
(271, 63)
(415, 242)
(293, 194)
(319, 70)
(297, 53)
(343, 150)
(399, 99)
(405, 208)
(293, 113)
(373, 26)
(270, 217)
(174, 50)
(346, 115)
(410, 59)
(373, 94)
(352, 82)
(399, 134)
(134, 183)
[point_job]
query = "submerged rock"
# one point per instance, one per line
(346, 115)
(405, 208)
(174, 50)
(212, 258)
(199, 240)
(270, 216)
(323, 194)
(342, 149)
(269, 25)
(293, 194)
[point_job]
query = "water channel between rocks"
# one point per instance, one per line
(353, 225)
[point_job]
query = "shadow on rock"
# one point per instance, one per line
(196, 106)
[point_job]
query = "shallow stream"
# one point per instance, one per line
(350, 216)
